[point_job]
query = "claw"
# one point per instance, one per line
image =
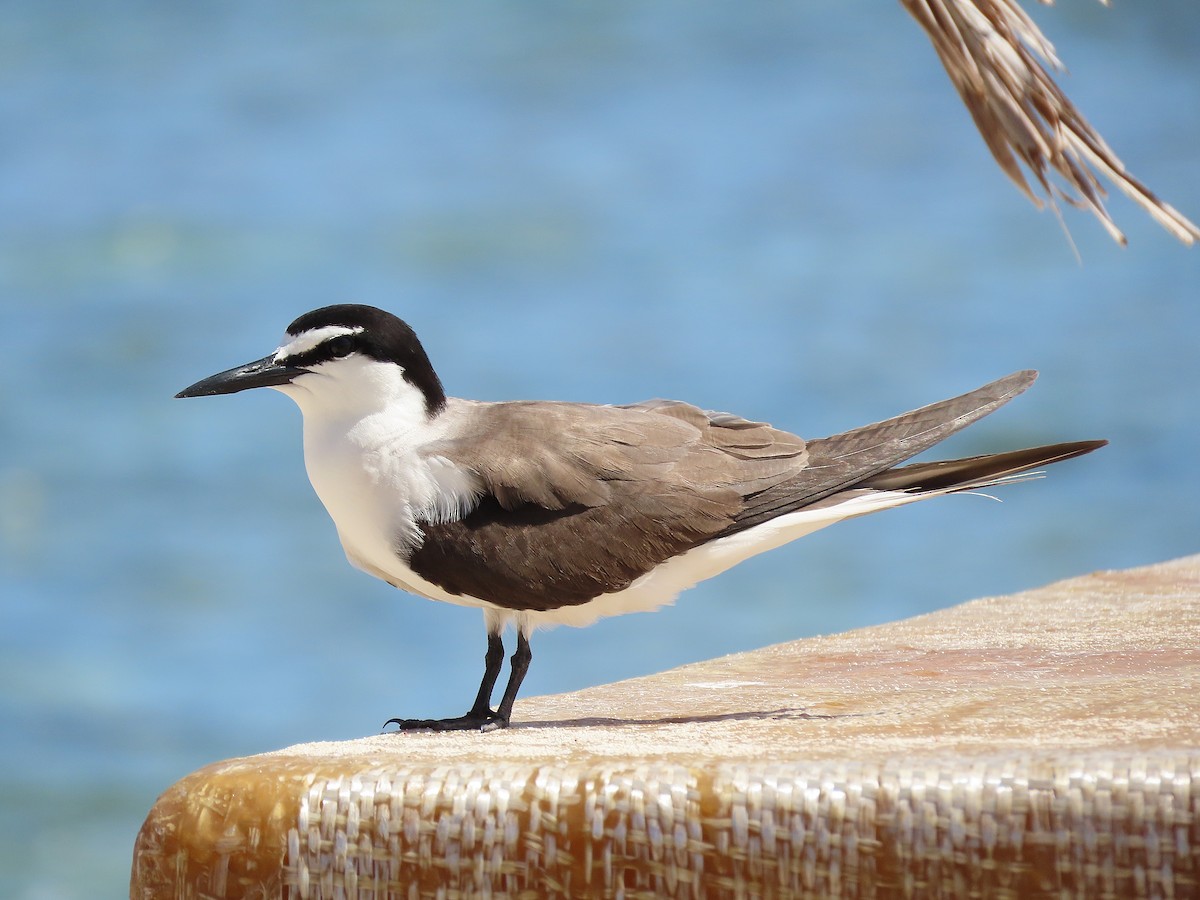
(470, 722)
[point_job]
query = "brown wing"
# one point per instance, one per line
(582, 500)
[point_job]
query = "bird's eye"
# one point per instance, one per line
(340, 346)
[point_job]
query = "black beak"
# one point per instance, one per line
(263, 372)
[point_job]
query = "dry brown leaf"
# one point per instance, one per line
(991, 50)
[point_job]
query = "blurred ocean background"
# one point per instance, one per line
(779, 209)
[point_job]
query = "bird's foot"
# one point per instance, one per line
(472, 721)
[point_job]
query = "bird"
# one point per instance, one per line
(553, 512)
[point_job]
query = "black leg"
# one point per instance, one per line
(520, 665)
(481, 717)
(492, 661)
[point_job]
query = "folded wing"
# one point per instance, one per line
(580, 501)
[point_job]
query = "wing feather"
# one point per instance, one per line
(840, 462)
(579, 501)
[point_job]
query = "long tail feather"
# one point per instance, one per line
(975, 471)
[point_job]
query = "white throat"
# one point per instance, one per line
(345, 391)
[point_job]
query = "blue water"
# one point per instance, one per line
(778, 209)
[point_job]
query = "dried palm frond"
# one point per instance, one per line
(990, 49)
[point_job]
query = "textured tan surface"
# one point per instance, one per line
(1034, 743)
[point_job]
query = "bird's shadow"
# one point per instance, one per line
(748, 715)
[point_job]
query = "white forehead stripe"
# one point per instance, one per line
(306, 340)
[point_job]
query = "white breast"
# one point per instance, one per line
(376, 491)
(364, 433)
